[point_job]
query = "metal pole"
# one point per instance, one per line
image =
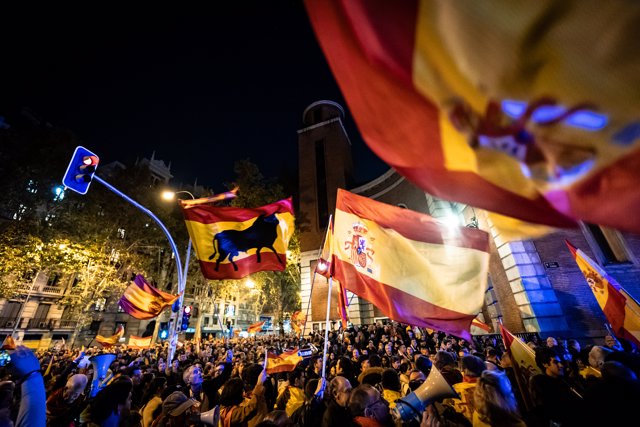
(326, 328)
(173, 329)
(26, 300)
(155, 218)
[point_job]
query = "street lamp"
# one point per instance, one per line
(173, 332)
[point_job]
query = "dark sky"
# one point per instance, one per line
(200, 87)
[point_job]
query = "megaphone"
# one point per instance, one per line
(210, 418)
(100, 364)
(413, 405)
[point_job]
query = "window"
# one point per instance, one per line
(32, 187)
(607, 244)
(100, 303)
(230, 310)
(121, 233)
(206, 321)
(216, 309)
(53, 279)
(120, 309)
(22, 209)
(49, 218)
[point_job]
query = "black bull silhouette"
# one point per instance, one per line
(261, 234)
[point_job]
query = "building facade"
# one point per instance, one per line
(534, 285)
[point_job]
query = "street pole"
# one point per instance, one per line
(24, 304)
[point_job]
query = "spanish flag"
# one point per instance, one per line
(9, 343)
(113, 339)
(523, 360)
(297, 321)
(325, 268)
(255, 328)
(227, 195)
(415, 269)
(479, 324)
(139, 342)
(445, 93)
(143, 301)
(620, 309)
(285, 362)
(231, 242)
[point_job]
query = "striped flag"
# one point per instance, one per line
(256, 327)
(325, 268)
(9, 343)
(231, 242)
(478, 324)
(143, 301)
(620, 309)
(113, 339)
(285, 362)
(139, 342)
(415, 269)
(444, 93)
(297, 321)
(523, 360)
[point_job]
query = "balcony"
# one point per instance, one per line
(41, 290)
(39, 323)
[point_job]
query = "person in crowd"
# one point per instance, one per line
(292, 396)
(446, 364)
(554, 400)
(151, 404)
(472, 368)
(494, 402)
(338, 400)
(492, 362)
(25, 371)
(65, 405)
(371, 370)
(391, 388)
(111, 406)
(611, 343)
(177, 409)
(275, 419)
(368, 408)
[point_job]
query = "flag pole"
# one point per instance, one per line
(326, 329)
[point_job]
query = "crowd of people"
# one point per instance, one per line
(369, 370)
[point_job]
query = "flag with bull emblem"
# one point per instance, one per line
(232, 242)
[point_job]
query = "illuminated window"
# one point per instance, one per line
(100, 303)
(607, 244)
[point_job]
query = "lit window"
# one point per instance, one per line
(121, 233)
(100, 303)
(58, 193)
(22, 209)
(32, 187)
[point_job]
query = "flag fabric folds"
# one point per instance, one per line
(444, 93)
(139, 342)
(231, 243)
(256, 327)
(523, 360)
(143, 301)
(477, 323)
(415, 269)
(113, 339)
(325, 268)
(227, 195)
(620, 309)
(297, 321)
(285, 362)
(9, 343)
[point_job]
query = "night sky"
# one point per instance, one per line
(200, 87)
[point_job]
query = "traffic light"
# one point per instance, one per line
(186, 316)
(163, 333)
(80, 171)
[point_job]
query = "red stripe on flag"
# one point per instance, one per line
(614, 309)
(208, 215)
(410, 224)
(401, 306)
(246, 266)
(388, 110)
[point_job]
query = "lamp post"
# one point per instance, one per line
(173, 328)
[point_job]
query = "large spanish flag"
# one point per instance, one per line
(285, 362)
(527, 109)
(620, 309)
(143, 301)
(415, 269)
(231, 242)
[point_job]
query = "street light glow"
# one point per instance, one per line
(322, 266)
(250, 284)
(168, 195)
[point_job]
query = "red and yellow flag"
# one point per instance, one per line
(444, 93)
(415, 269)
(231, 243)
(256, 327)
(227, 195)
(143, 301)
(113, 339)
(9, 343)
(297, 321)
(523, 360)
(139, 342)
(285, 362)
(620, 309)
(477, 323)
(325, 268)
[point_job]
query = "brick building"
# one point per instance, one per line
(534, 285)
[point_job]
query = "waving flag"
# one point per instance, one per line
(9, 343)
(143, 301)
(297, 321)
(325, 268)
(444, 93)
(256, 327)
(620, 309)
(477, 323)
(139, 342)
(523, 360)
(285, 362)
(227, 195)
(113, 339)
(413, 268)
(232, 243)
